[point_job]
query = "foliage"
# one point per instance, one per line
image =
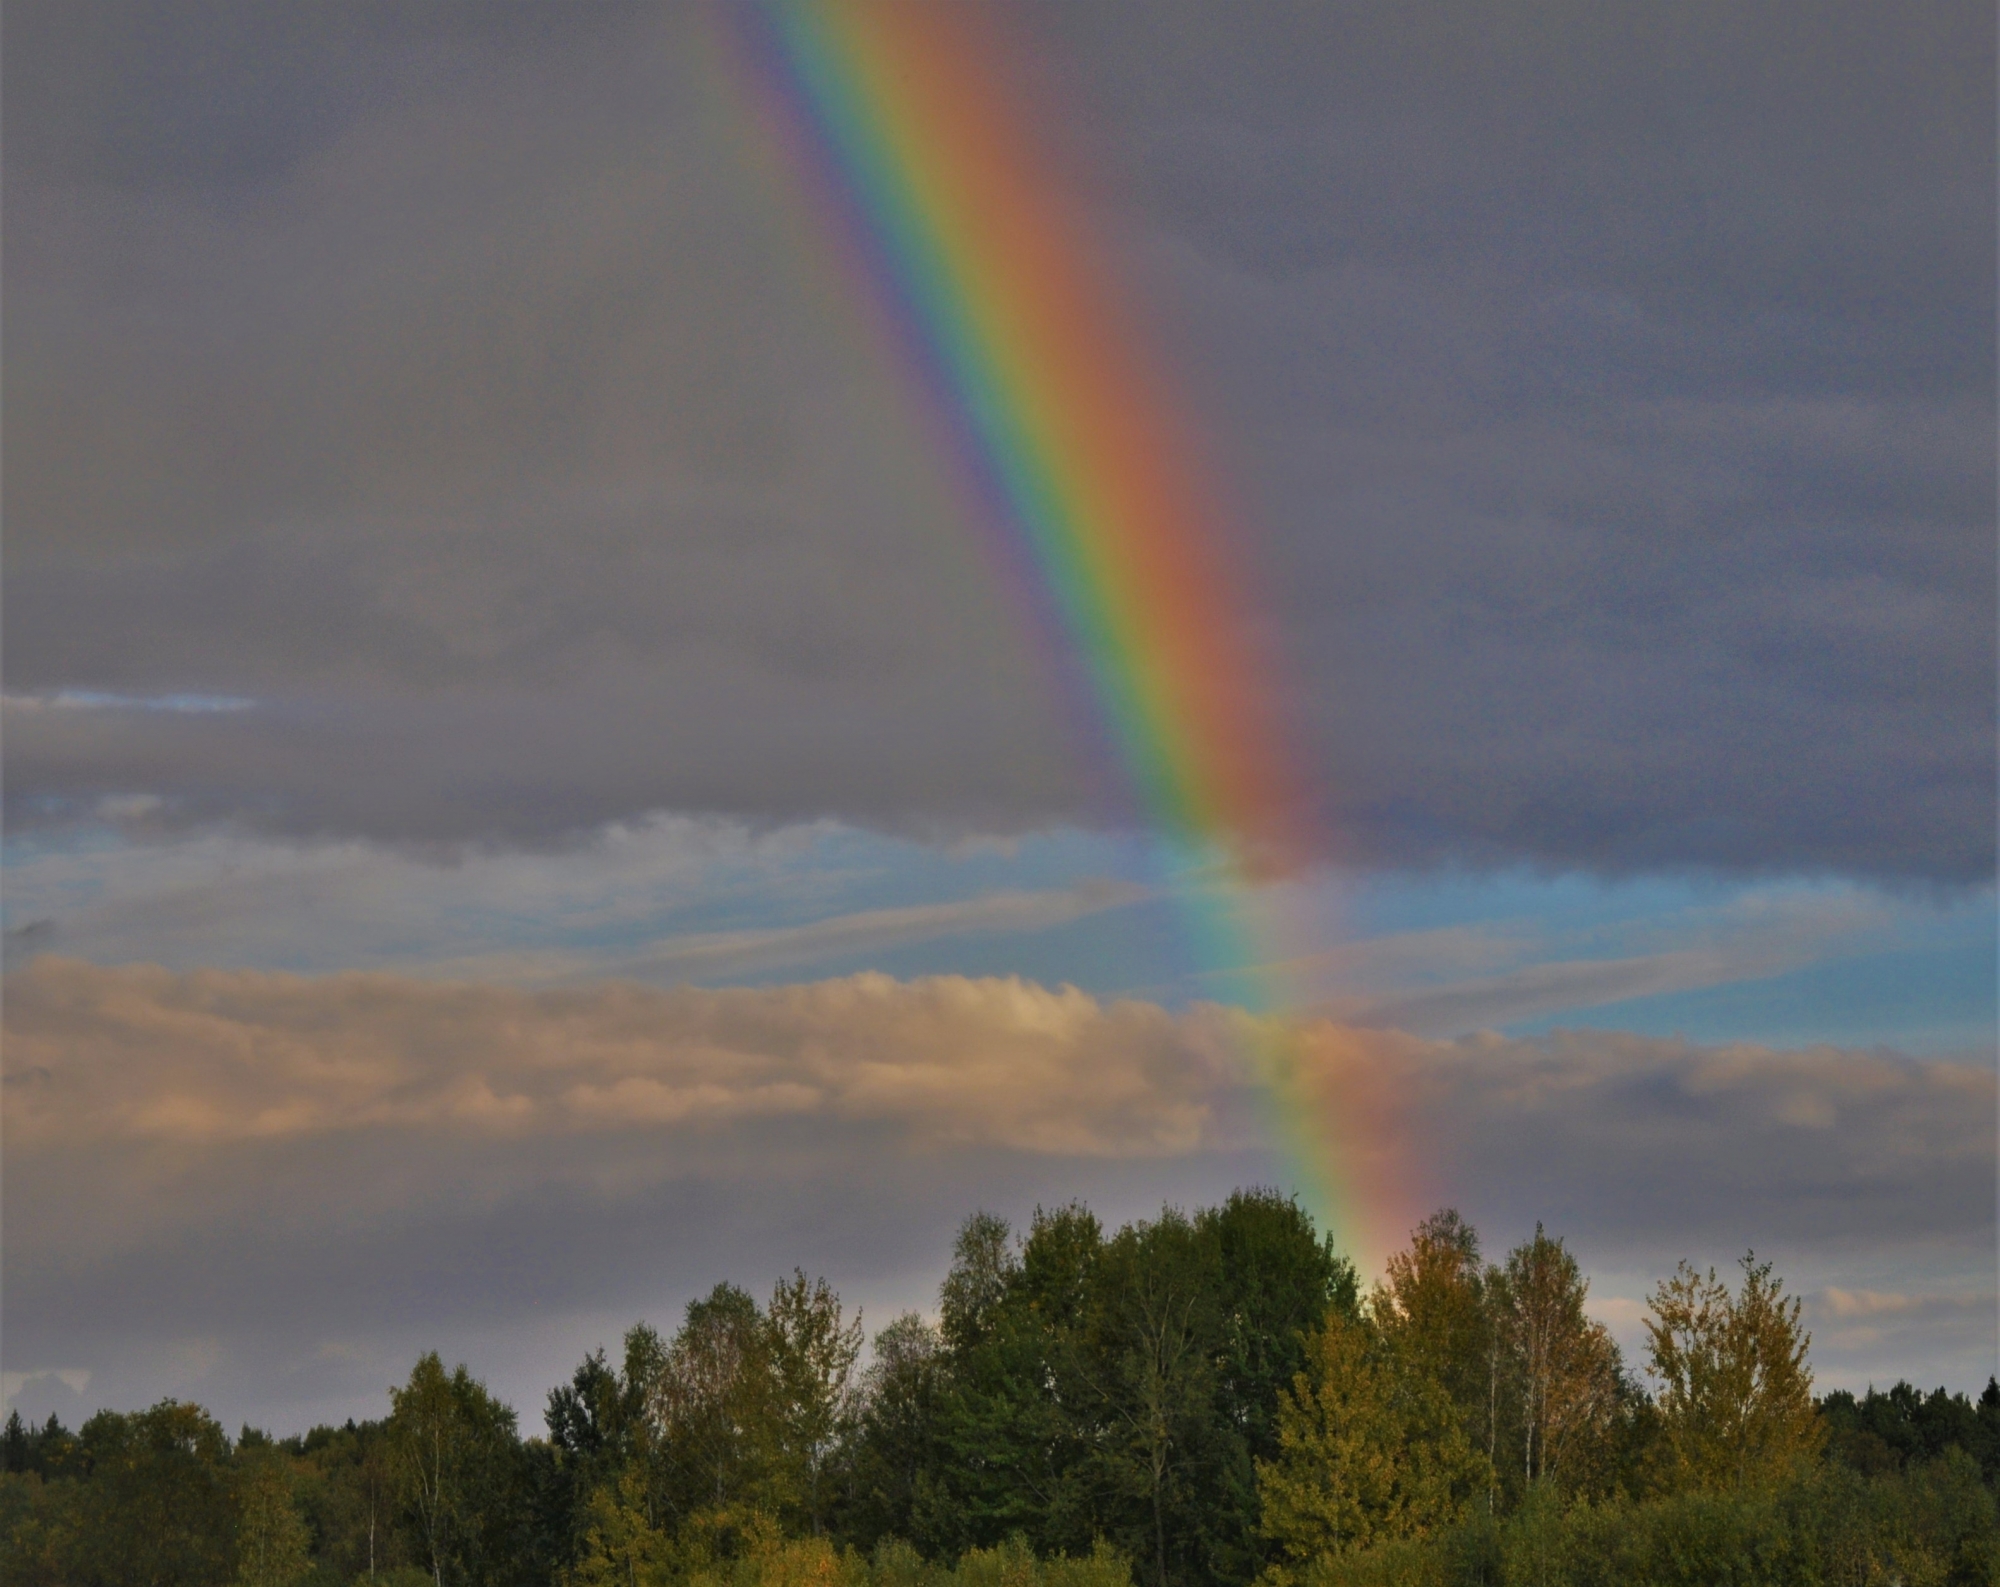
(272, 1544)
(346, 1488)
(1891, 1430)
(1188, 1401)
(1735, 1399)
(456, 1468)
(1371, 1449)
(896, 1449)
(810, 1353)
(1933, 1527)
(1561, 1367)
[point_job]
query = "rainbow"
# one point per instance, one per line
(1079, 471)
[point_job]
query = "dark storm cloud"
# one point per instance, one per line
(1610, 390)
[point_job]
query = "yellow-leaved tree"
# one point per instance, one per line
(1371, 1448)
(1735, 1393)
(273, 1547)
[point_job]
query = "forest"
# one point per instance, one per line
(1192, 1401)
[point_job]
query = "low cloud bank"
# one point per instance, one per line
(283, 1168)
(142, 1056)
(1669, 1137)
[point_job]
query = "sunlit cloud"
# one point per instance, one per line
(276, 1160)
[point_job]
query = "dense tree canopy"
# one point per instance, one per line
(1195, 1400)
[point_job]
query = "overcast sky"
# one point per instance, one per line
(470, 567)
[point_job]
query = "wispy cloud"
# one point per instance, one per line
(697, 955)
(1463, 978)
(98, 700)
(668, 898)
(1887, 1323)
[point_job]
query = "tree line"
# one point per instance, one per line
(1190, 1401)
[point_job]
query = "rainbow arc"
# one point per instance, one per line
(1079, 469)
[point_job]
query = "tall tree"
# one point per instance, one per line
(811, 1350)
(157, 1510)
(1565, 1370)
(1005, 1435)
(1435, 1307)
(1276, 1281)
(600, 1429)
(1735, 1392)
(705, 1399)
(892, 1475)
(455, 1455)
(1371, 1448)
(273, 1547)
(351, 1494)
(1157, 1330)
(983, 1265)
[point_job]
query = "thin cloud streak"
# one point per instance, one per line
(1457, 979)
(702, 955)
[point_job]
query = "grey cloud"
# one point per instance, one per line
(1611, 397)
(269, 1168)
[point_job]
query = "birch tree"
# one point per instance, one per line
(1565, 1368)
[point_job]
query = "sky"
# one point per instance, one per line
(524, 797)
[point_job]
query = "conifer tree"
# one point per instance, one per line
(1372, 1449)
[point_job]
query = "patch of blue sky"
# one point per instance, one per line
(1935, 997)
(1841, 962)
(1771, 961)
(1381, 903)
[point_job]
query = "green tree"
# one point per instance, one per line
(1276, 1279)
(897, 1437)
(1157, 1328)
(809, 1353)
(601, 1428)
(1735, 1392)
(1122, 1387)
(983, 1268)
(1371, 1449)
(705, 1400)
(273, 1547)
(1435, 1307)
(455, 1458)
(1005, 1437)
(41, 1542)
(350, 1494)
(620, 1546)
(156, 1510)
